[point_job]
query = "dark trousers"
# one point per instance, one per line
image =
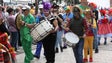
(14, 39)
(78, 51)
(49, 48)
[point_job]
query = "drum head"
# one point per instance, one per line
(71, 37)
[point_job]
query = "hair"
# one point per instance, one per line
(10, 10)
(32, 6)
(17, 10)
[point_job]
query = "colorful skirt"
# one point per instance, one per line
(104, 29)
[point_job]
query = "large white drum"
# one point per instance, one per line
(41, 30)
(70, 39)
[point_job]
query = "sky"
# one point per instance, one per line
(101, 3)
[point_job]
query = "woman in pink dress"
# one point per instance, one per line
(103, 26)
(110, 21)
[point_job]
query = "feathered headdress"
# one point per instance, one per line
(103, 12)
(93, 4)
(46, 5)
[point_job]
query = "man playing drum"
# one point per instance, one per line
(78, 26)
(49, 40)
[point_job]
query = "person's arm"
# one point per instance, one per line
(59, 17)
(85, 27)
(55, 23)
(31, 25)
(1, 21)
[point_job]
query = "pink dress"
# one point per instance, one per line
(104, 27)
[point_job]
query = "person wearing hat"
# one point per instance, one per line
(78, 25)
(83, 6)
(49, 40)
(94, 10)
(103, 26)
(28, 22)
(67, 16)
(88, 40)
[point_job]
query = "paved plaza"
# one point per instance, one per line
(104, 55)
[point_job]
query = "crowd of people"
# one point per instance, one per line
(85, 20)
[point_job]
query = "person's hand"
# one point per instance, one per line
(22, 22)
(52, 31)
(67, 19)
(67, 29)
(84, 36)
(1, 21)
(39, 15)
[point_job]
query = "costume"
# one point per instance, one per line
(4, 41)
(49, 46)
(110, 20)
(88, 42)
(103, 26)
(49, 40)
(95, 12)
(26, 38)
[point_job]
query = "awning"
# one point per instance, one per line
(6, 0)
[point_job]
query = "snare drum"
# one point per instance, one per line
(70, 39)
(41, 30)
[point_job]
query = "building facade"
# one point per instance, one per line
(110, 3)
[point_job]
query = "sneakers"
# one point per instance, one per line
(90, 59)
(105, 43)
(85, 60)
(61, 48)
(111, 41)
(36, 56)
(64, 47)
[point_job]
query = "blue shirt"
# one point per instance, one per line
(38, 18)
(70, 15)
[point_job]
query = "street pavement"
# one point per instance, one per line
(104, 55)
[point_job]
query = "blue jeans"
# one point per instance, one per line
(38, 49)
(78, 51)
(95, 41)
(14, 39)
(58, 39)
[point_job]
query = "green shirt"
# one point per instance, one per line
(25, 31)
(83, 8)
